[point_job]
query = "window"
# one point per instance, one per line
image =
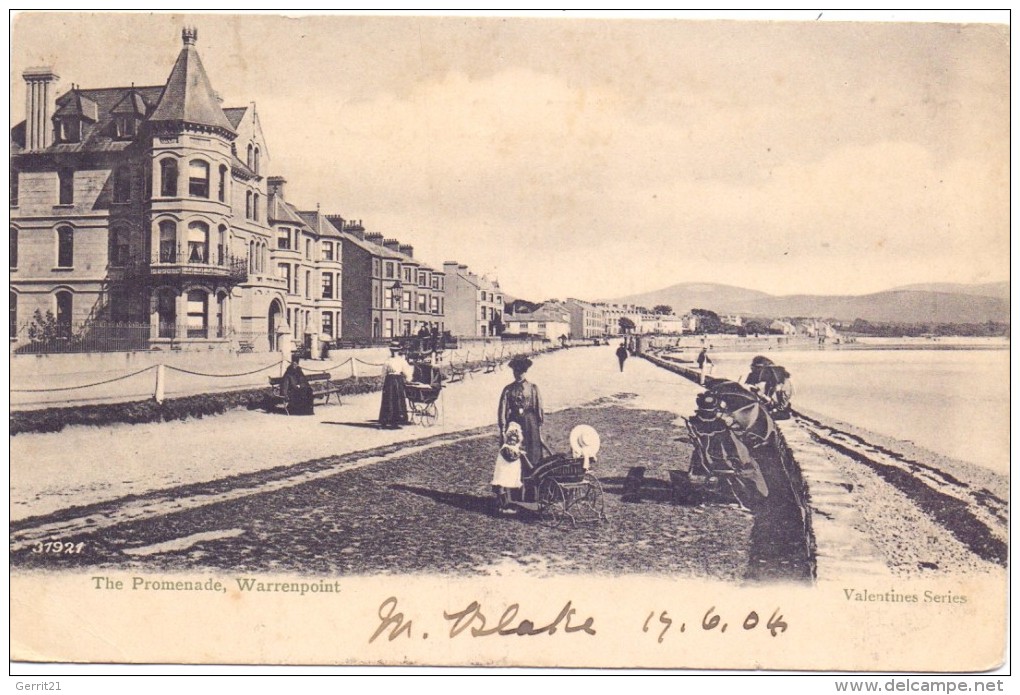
(407, 301)
(308, 249)
(69, 129)
(423, 279)
(251, 156)
(308, 284)
(65, 247)
(119, 307)
(65, 179)
(390, 270)
(198, 242)
(168, 178)
(283, 240)
(221, 315)
(422, 303)
(389, 329)
(375, 267)
(166, 308)
(198, 178)
(127, 126)
(221, 190)
(13, 314)
(407, 274)
(167, 242)
(407, 328)
(122, 185)
(283, 271)
(327, 251)
(327, 323)
(389, 299)
(435, 305)
(65, 307)
(14, 188)
(256, 167)
(247, 205)
(483, 313)
(221, 246)
(255, 207)
(198, 314)
(118, 247)
(14, 247)
(327, 285)
(435, 282)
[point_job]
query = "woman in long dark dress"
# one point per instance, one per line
(521, 402)
(396, 372)
(296, 389)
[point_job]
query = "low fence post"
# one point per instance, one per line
(160, 383)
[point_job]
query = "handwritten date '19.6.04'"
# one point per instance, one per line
(662, 623)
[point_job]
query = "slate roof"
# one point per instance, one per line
(234, 114)
(188, 96)
(319, 224)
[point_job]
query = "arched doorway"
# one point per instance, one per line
(275, 312)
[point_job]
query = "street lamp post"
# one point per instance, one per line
(397, 290)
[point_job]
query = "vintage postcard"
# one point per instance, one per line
(554, 341)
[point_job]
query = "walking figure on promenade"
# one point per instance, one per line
(621, 354)
(704, 364)
(396, 372)
(521, 402)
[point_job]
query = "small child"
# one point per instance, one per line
(507, 473)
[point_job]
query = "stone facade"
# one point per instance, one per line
(474, 303)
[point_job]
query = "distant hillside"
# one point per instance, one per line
(899, 306)
(921, 304)
(694, 295)
(999, 290)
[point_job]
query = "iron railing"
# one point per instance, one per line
(113, 337)
(177, 260)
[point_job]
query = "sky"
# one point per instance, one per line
(596, 158)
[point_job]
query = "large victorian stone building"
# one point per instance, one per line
(150, 209)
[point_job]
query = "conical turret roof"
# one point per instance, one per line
(188, 96)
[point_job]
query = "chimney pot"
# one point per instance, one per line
(276, 185)
(38, 107)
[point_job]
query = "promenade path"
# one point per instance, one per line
(85, 466)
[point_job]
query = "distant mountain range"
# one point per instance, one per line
(923, 303)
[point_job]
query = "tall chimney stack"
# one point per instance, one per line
(38, 126)
(276, 185)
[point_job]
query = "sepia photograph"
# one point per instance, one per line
(506, 342)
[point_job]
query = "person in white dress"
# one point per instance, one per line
(509, 463)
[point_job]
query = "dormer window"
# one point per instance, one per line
(126, 125)
(69, 129)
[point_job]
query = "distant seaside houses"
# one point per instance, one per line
(782, 327)
(587, 320)
(732, 320)
(550, 321)
(474, 304)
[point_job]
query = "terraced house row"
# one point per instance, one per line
(145, 217)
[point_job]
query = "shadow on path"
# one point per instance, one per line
(458, 500)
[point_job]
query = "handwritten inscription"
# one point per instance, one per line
(776, 624)
(472, 620)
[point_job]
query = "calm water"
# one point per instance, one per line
(954, 402)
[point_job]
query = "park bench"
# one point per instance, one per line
(322, 387)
